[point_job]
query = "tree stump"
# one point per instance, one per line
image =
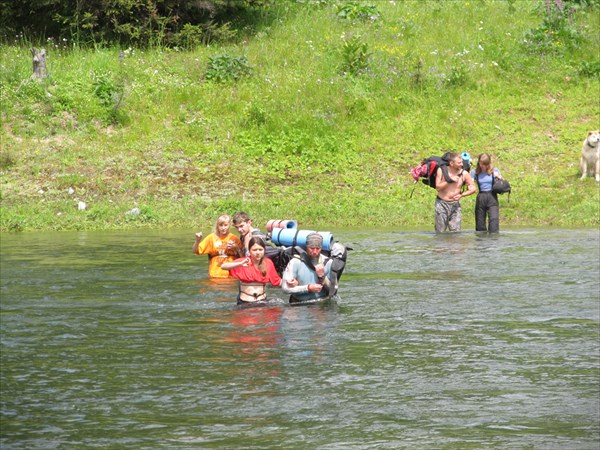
(39, 63)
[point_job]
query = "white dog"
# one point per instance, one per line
(589, 164)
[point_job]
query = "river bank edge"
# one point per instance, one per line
(72, 214)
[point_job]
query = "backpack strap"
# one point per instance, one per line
(444, 169)
(306, 260)
(295, 238)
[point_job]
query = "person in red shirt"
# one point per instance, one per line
(254, 272)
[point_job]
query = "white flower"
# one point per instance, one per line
(480, 47)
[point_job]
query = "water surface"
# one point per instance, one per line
(120, 340)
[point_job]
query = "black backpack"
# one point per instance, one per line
(499, 186)
(281, 256)
(427, 170)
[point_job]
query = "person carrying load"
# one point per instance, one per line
(312, 273)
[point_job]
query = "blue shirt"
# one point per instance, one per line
(484, 180)
(297, 269)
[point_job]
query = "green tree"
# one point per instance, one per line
(141, 22)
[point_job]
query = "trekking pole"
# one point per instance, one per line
(413, 189)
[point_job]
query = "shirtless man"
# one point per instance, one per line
(448, 214)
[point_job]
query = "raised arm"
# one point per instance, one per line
(236, 263)
(197, 242)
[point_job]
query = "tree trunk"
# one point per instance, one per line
(39, 63)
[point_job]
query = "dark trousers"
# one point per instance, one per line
(487, 205)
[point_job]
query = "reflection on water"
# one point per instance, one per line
(456, 341)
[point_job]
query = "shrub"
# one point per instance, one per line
(589, 69)
(355, 55)
(110, 93)
(557, 31)
(457, 76)
(223, 68)
(190, 36)
(354, 11)
(104, 88)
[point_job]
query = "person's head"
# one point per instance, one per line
(242, 222)
(484, 163)
(256, 247)
(455, 160)
(222, 225)
(314, 242)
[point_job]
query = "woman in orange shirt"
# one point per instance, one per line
(221, 246)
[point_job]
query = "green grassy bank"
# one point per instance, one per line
(317, 115)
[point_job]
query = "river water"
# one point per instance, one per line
(119, 340)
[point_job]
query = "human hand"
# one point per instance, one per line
(320, 270)
(246, 261)
(292, 283)
(199, 236)
(315, 288)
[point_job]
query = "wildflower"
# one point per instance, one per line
(480, 47)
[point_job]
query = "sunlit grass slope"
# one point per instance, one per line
(334, 103)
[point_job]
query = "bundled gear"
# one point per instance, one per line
(427, 170)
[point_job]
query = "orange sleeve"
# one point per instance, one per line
(206, 247)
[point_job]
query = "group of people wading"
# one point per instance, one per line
(308, 276)
(448, 213)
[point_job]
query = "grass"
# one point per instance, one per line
(323, 128)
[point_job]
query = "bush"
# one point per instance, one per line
(355, 55)
(354, 11)
(223, 68)
(557, 31)
(589, 69)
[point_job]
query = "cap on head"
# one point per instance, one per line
(314, 240)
